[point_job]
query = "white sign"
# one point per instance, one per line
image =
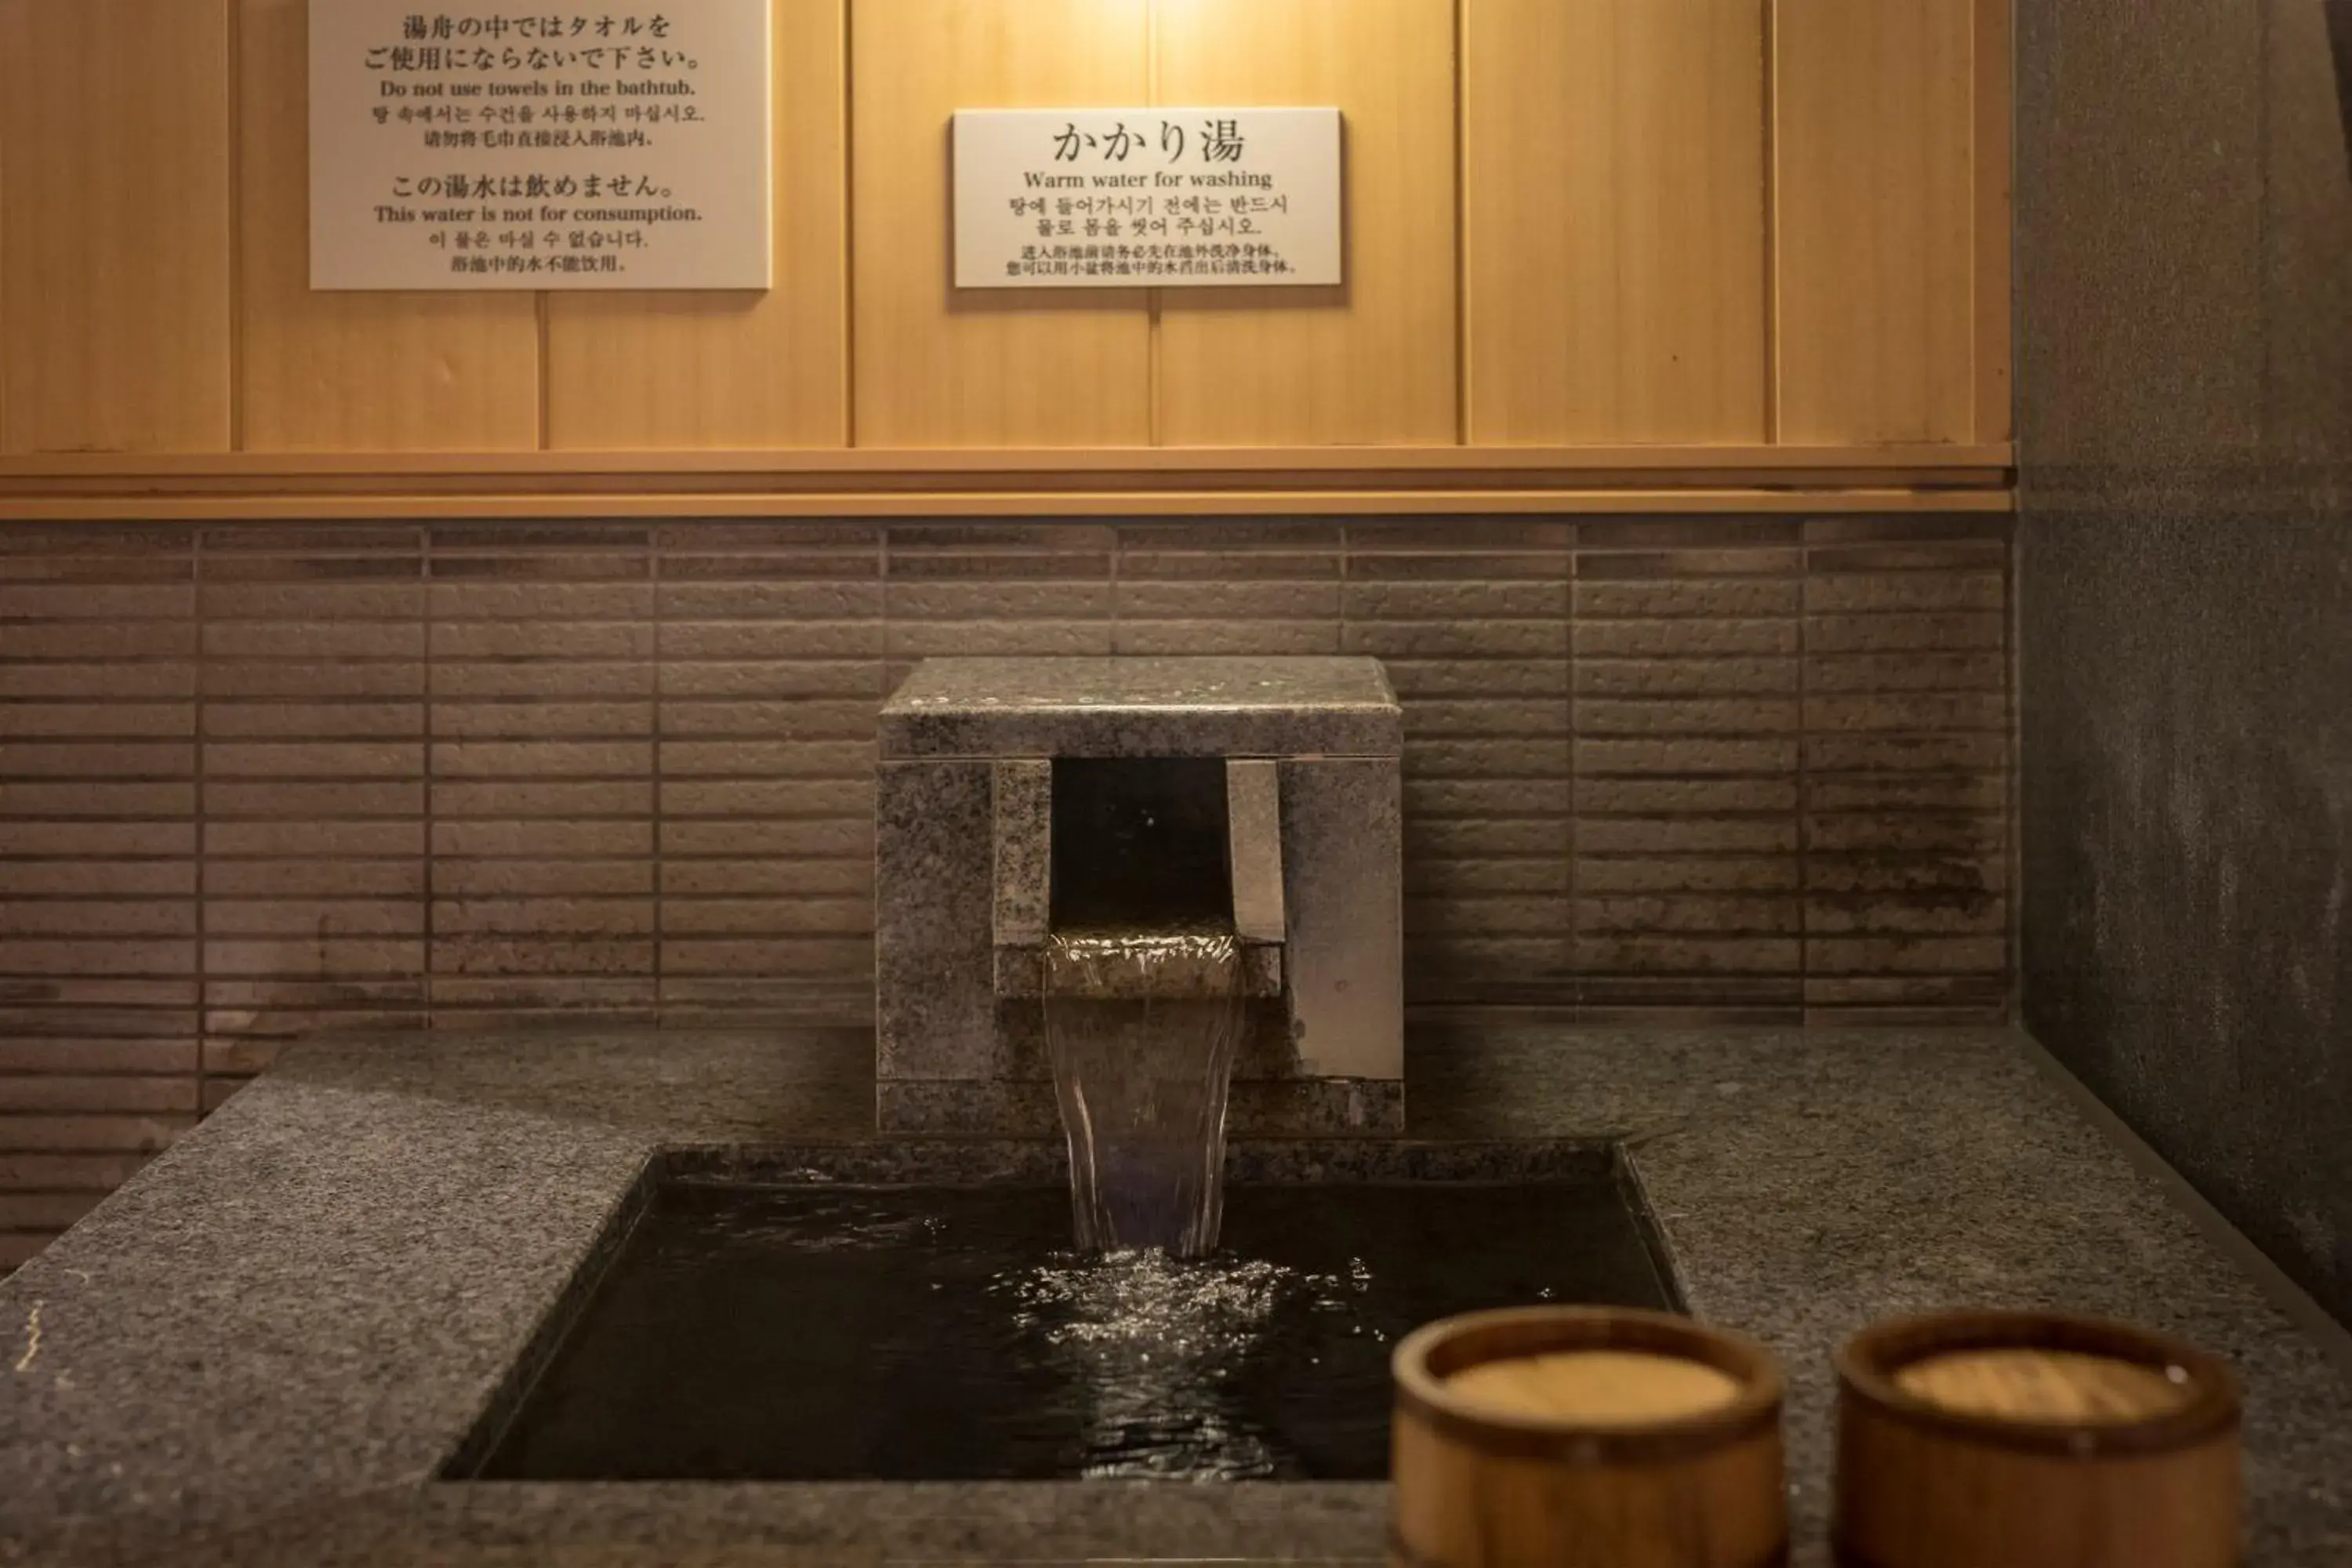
(578, 145)
(1125, 198)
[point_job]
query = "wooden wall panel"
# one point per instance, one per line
(1371, 362)
(354, 372)
(114, 121)
(648, 372)
(1614, 221)
(1877, 201)
(984, 369)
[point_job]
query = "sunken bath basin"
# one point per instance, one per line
(911, 1313)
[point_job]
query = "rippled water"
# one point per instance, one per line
(828, 1333)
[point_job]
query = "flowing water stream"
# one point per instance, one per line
(1143, 1030)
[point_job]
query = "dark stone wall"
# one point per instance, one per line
(2185, 591)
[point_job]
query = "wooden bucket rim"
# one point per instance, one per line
(1510, 1332)
(1867, 1363)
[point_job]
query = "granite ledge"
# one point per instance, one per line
(263, 1348)
(1143, 707)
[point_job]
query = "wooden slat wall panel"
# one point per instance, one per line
(1017, 370)
(1374, 361)
(114, 118)
(650, 372)
(1876, 205)
(1615, 225)
(344, 372)
(1992, 89)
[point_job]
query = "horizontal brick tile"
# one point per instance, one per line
(97, 601)
(811, 955)
(567, 640)
(1906, 753)
(1226, 566)
(1685, 954)
(89, 798)
(477, 601)
(1686, 835)
(24, 878)
(98, 917)
(98, 840)
(268, 840)
(1894, 990)
(806, 718)
(90, 683)
(96, 956)
(22, 721)
(1908, 792)
(544, 802)
(305, 918)
(1670, 914)
(1438, 601)
(314, 640)
(551, 879)
(1686, 677)
(1703, 754)
(313, 721)
(497, 954)
(1726, 715)
(1418, 679)
(1429, 878)
(21, 1212)
(542, 916)
(1458, 533)
(540, 839)
(110, 1094)
(310, 956)
(1691, 563)
(767, 759)
(1980, 673)
(829, 601)
(754, 640)
(1912, 592)
(524, 721)
(1656, 534)
(1688, 639)
(1832, 873)
(1929, 913)
(771, 797)
(502, 1002)
(1534, 757)
(1906, 832)
(97, 639)
(1906, 954)
(1229, 601)
(160, 1055)
(543, 758)
(1955, 557)
(767, 917)
(988, 639)
(88, 1134)
(1883, 633)
(290, 800)
(91, 1172)
(852, 879)
(308, 682)
(314, 760)
(1730, 600)
(1456, 640)
(1479, 797)
(991, 566)
(1684, 797)
(556, 681)
(317, 878)
(311, 602)
(1921, 711)
(1485, 716)
(841, 678)
(1488, 838)
(1491, 567)
(1225, 638)
(1640, 875)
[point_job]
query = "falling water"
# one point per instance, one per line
(1143, 1031)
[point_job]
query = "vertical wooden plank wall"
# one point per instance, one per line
(1876, 217)
(114, 123)
(353, 372)
(1614, 227)
(729, 370)
(1368, 363)
(1572, 223)
(1016, 369)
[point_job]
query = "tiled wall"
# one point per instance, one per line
(262, 780)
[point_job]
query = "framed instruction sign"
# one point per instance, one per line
(1125, 198)
(581, 144)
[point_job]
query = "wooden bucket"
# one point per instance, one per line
(1992, 1439)
(1585, 1438)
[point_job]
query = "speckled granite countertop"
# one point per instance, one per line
(259, 1352)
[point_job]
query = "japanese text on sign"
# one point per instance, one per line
(603, 145)
(1147, 197)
